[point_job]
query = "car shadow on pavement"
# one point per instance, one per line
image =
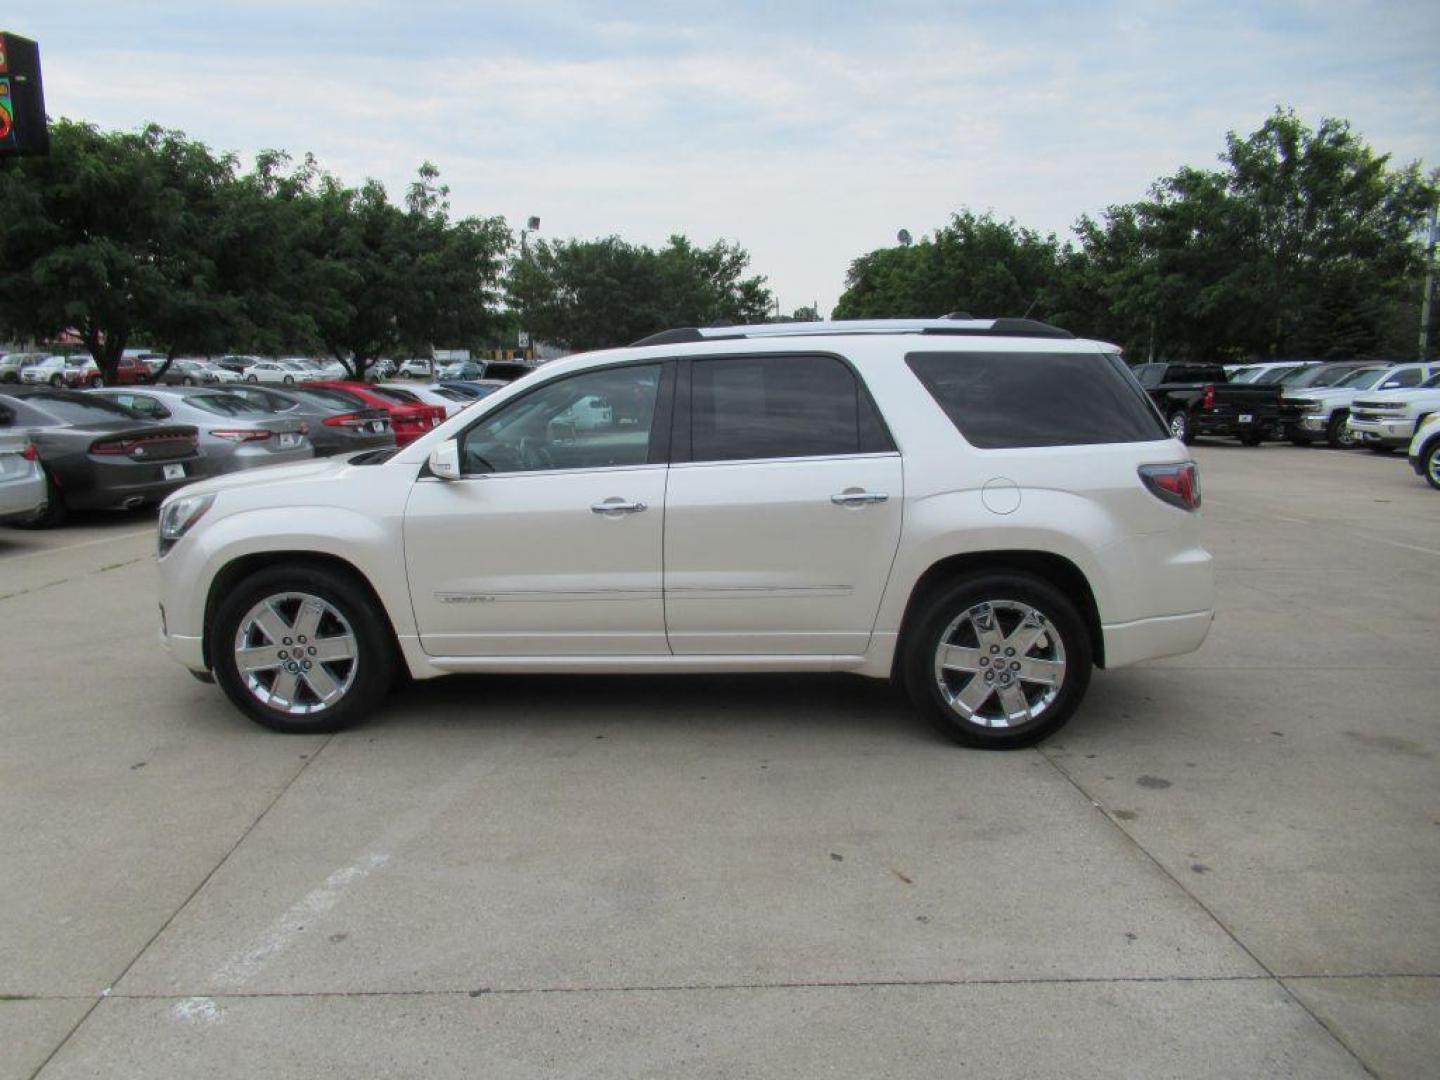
(823, 702)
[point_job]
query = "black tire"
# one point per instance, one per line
(1179, 424)
(1337, 431)
(289, 380)
(923, 641)
(96, 382)
(251, 379)
(375, 659)
(187, 381)
(56, 381)
(1251, 438)
(55, 511)
(1430, 459)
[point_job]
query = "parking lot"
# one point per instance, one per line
(1228, 864)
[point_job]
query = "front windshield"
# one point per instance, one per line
(1364, 379)
(1274, 375)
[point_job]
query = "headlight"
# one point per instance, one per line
(177, 516)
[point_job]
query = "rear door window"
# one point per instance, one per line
(1016, 399)
(750, 407)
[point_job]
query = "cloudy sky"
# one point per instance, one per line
(807, 131)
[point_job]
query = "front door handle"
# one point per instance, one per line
(857, 497)
(617, 505)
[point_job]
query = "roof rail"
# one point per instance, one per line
(957, 324)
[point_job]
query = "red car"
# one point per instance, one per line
(409, 416)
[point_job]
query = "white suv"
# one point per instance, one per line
(981, 509)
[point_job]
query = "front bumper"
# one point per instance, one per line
(1396, 432)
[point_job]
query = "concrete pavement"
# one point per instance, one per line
(1228, 864)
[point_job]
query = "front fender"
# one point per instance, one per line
(371, 544)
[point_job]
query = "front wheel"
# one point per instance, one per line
(187, 381)
(251, 379)
(96, 381)
(302, 649)
(998, 660)
(1337, 431)
(1431, 457)
(289, 381)
(1179, 423)
(56, 381)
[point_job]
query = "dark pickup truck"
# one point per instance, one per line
(1196, 399)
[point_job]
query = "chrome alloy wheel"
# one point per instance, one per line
(1000, 664)
(296, 653)
(1432, 465)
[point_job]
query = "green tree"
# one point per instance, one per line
(1302, 244)
(591, 294)
(976, 263)
(114, 234)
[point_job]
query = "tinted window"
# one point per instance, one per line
(403, 397)
(81, 411)
(748, 407)
(335, 399)
(594, 420)
(1001, 400)
(226, 405)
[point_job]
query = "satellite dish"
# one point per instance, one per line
(904, 237)
(533, 224)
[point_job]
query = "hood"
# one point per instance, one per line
(272, 475)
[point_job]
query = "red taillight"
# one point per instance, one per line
(242, 435)
(112, 447)
(348, 419)
(31, 452)
(1178, 484)
(1209, 400)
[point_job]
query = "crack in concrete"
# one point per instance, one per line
(1231, 934)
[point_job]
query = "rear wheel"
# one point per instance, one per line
(1337, 431)
(302, 649)
(998, 660)
(1179, 423)
(55, 511)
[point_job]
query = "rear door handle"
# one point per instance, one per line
(617, 505)
(856, 497)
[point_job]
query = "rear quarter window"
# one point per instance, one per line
(1018, 399)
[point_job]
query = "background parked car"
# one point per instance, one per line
(272, 372)
(475, 388)
(98, 455)
(1320, 375)
(1324, 412)
(1196, 399)
(458, 369)
(416, 368)
(1387, 419)
(339, 422)
(452, 401)
(131, 371)
(188, 372)
(22, 483)
(12, 363)
(409, 417)
(81, 371)
(50, 369)
(1424, 450)
(234, 433)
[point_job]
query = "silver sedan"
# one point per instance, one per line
(234, 433)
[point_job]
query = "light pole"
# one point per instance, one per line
(532, 224)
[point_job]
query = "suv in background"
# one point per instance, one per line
(984, 510)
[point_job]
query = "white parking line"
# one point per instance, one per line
(84, 543)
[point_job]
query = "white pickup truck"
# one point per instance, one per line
(1324, 410)
(1389, 418)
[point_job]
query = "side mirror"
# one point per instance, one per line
(445, 460)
